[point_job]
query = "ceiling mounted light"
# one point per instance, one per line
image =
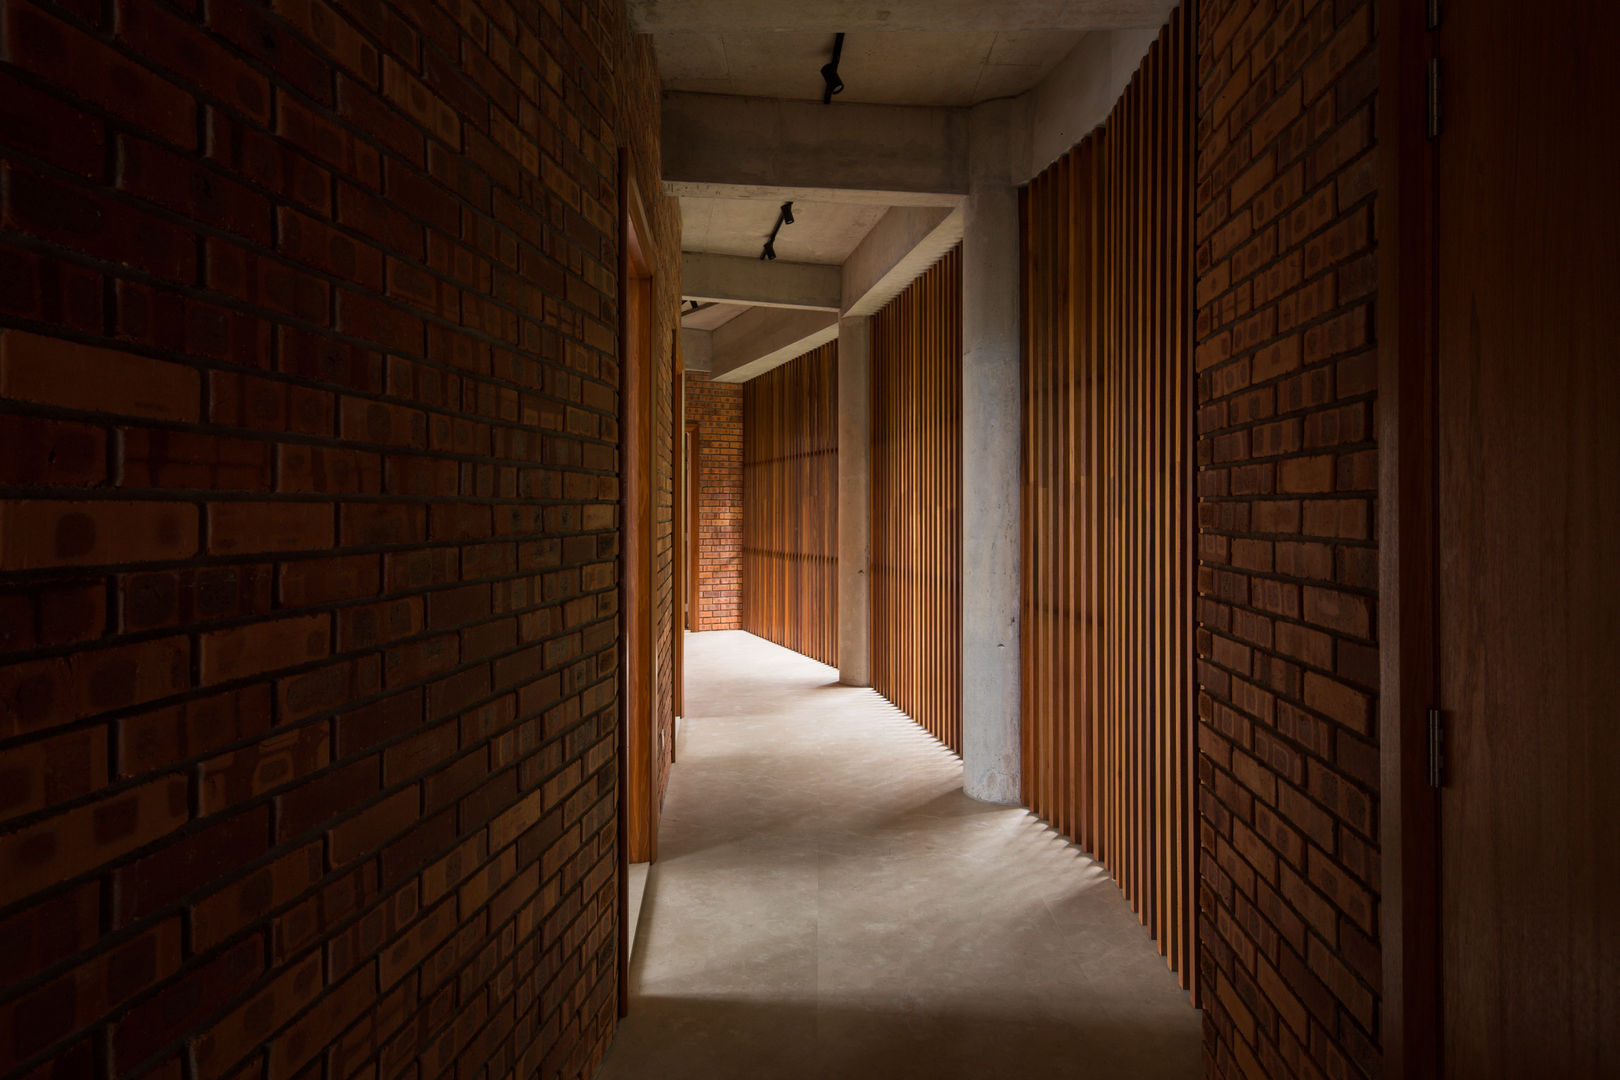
(787, 213)
(769, 254)
(829, 72)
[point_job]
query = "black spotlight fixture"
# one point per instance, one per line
(829, 72)
(784, 216)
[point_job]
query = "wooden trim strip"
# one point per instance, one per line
(1408, 810)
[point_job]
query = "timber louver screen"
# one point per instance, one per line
(917, 500)
(1108, 698)
(790, 505)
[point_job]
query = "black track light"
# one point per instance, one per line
(829, 72)
(784, 216)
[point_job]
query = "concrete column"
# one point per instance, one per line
(854, 501)
(991, 430)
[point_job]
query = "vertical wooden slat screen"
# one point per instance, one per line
(790, 505)
(916, 501)
(1108, 685)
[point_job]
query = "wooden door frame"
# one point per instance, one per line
(694, 507)
(677, 461)
(1407, 355)
(637, 814)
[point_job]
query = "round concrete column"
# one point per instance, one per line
(991, 440)
(854, 501)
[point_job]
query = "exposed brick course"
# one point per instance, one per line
(308, 551)
(1287, 575)
(717, 410)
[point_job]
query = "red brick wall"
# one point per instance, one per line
(717, 410)
(1288, 567)
(308, 503)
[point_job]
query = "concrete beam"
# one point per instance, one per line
(695, 189)
(731, 145)
(736, 279)
(697, 349)
(1080, 92)
(906, 241)
(856, 16)
(757, 341)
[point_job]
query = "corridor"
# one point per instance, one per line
(828, 903)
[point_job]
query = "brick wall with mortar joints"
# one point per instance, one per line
(1287, 577)
(308, 536)
(717, 410)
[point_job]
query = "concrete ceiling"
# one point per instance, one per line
(820, 233)
(944, 54)
(940, 68)
(853, 16)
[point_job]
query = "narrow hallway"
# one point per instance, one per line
(828, 903)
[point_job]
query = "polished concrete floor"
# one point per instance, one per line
(639, 872)
(827, 903)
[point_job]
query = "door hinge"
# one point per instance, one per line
(1434, 98)
(1434, 14)
(1437, 749)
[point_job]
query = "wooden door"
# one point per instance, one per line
(637, 832)
(640, 675)
(1528, 570)
(682, 526)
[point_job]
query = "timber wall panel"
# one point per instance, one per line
(1108, 731)
(790, 505)
(916, 501)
